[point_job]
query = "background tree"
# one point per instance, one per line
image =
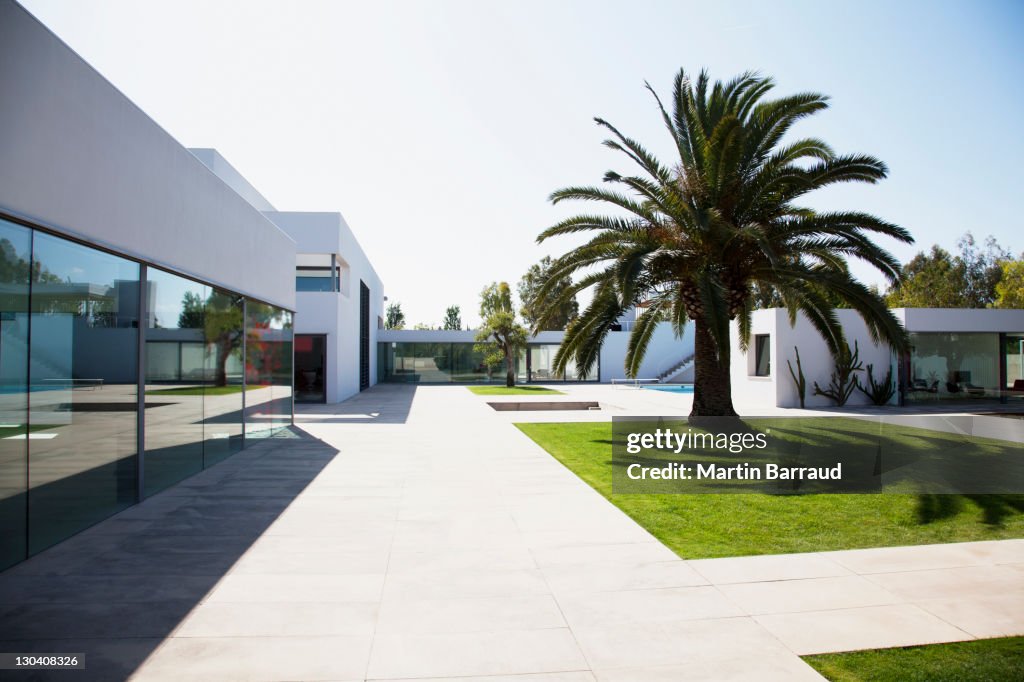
(191, 315)
(1010, 288)
(422, 326)
(531, 284)
(939, 279)
(500, 337)
(694, 239)
(394, 317)
(220, 319)
(452, 318)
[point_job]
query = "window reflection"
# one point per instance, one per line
(174, 379)
(83, 354)
(15, 259)
(224, 332)
(268, 369)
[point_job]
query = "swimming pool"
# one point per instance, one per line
(672, 388)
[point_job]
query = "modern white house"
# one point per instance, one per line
(955, 355)
(339, 297)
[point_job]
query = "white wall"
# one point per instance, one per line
(818, 363)
(80, 158)
(335, 314)
(663, 352)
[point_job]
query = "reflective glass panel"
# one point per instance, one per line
(83, 350)
(174, 379)
(282, 368)
(15, 259)
(221, 358)
(259, 369)
(953, 366)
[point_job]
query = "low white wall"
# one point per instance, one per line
(80, 158)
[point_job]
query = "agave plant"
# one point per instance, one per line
(696, 239)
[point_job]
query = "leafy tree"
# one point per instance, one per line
(982, 269)
(500, 337)
(531, 284)
(191, 315)
(422, 326)
(220, 319)
(693, 238)
(1010, 288)
(224, 328)
(939, 279)
(452, 318)
(394, 317)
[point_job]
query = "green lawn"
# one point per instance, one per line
(985, 659)
(720, 525)
(515, 390)
(201, 390)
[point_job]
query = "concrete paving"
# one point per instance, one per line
(412, 533)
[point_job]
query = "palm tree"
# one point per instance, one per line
(696, 240)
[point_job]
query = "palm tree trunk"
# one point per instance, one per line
(712, 385)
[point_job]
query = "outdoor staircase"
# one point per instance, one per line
(675, 369)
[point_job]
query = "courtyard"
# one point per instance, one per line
(413, 532)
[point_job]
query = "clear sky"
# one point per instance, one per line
(439, 128)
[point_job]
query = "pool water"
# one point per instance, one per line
(672, 388)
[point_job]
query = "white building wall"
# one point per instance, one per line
(80, 158)
(663, 352)
(335, 314)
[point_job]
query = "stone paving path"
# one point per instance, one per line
(416, 534)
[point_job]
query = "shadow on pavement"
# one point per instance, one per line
(114, 592)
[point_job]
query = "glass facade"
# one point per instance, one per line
(268, 369)
(440, 363)
(15, 268)
(954, 366)
(70, 323)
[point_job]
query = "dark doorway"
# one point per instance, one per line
(364, 336)
(310, 368)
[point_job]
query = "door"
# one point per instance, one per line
(364, 336)
(310, 368)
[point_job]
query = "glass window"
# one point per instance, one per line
(762, 355)
(283, 376)
(84, 370)
(268, 369)
(953, 366)
(174, 379)
(1014, 357)
(221, 357)
(15, 259)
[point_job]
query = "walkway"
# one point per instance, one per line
(417, 534)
